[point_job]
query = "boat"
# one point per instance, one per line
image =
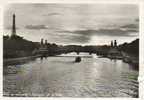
(78, 59)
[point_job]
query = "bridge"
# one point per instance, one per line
(47, 49)
(110, 52)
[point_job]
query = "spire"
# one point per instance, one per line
(13, 26)
(42, 41)
(111, 43)
(115, 43)
(45, 42)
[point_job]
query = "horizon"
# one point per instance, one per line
(79, 44)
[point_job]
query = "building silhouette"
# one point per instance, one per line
(13, 27)
(115, 43)
(111, 43)
(42, 42)
(14, 36)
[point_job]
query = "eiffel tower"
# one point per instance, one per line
(13, 27)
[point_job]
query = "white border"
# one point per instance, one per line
(141, 36)
(141, 57)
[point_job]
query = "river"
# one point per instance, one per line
(60, 76)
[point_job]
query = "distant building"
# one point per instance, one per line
(13, 27)
(111, 43)
(43, 47)
(42, 41)
(43, 44)
(46, 42)
(14, 35)
(114, 52)
(115, 43)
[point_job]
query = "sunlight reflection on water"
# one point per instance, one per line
(60, 76)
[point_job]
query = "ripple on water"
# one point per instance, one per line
(92, 77)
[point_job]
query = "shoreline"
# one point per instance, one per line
(125, 58)
(19, 59)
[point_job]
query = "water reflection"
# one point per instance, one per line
(18, 62)
(60, 76)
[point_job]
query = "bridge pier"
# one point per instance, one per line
(90, 53)
(78, 53)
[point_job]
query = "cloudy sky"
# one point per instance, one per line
(93, 24)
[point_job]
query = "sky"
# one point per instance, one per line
(82, 24)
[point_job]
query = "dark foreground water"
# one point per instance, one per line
(60, 76)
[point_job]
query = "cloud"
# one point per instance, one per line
(104, 32)
(10, 27)
(69, 37)
(130, 26)
(36, 27)
(85, 35)
(79, 39)
(52, 14)
(116, 32)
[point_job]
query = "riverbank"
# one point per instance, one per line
(18, 60)
(127, 58)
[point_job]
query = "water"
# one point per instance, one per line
(60, 76)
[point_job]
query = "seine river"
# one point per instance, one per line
(60, 76)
